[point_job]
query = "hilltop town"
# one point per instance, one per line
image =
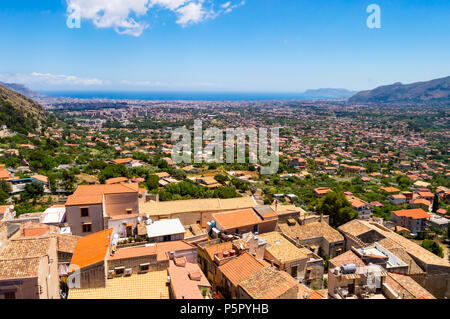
(94, 207)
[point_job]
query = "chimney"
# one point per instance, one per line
(256, 246)
(321, 217)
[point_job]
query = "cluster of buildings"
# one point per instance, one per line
(114, 241)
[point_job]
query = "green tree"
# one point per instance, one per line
(33, 191)
(153, 182)
(221, 178)
(434, 247)
(337, 207)
(435, 203)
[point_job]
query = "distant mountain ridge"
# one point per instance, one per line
(18, 112)
(22, 89)
(437, 90)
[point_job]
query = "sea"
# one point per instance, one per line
(180, 96)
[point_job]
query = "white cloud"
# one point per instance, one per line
(191, 13)
(48, 79)
(124, 15)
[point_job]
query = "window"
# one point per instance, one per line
(87, 228)
(119, 271)
(255, 229)
(84, 211)
(294, 271)
(129, 211)
(144, 267)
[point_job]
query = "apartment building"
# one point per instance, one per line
(429, 270)
(93, 208)
(413, 219)
(318, 236)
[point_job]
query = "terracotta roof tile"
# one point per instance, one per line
(91, 249)
(240, 268)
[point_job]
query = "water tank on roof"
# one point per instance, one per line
(348, 269)
(213, 223)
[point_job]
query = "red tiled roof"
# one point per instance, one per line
(417, 213)
(240, 268)
(91, 249)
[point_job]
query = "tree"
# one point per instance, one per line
(221, 178)
(5, 186)
(153, 182)
(33, 191)
(337, 207)
(178, 174)
(434, 247)
(435, 203)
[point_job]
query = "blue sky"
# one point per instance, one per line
(213, 45)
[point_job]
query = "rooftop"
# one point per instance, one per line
(187, 280)
(165, 227)
(312, 230)
(151, 285)
(258, 288)
(237, 219)
(196, 205)
(91, 249)
(417, 213)
(240, 268)
(93, 194)
(281, 248)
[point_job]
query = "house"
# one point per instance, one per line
(122, 161)
(431, 271)
(194, 211)
(420, 203)
(55, 215)
(413, 219)
(65, 243)
(209, 182)
(142, 272)
(437, 221)
(363, 208)
(190, 169)
(239, 222)
(356, 274)
(317, 236)
(88, 263)
(211, 255)
(235, 271)
(93, 208)
(297, 163)
(5, 174)
(149, 257)
(282, 285)
(398, 199)
(426, 195)
(296, 261)
(390, 190)
(29, 269)
(322, 191)
(165, 230)
(187, 281)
